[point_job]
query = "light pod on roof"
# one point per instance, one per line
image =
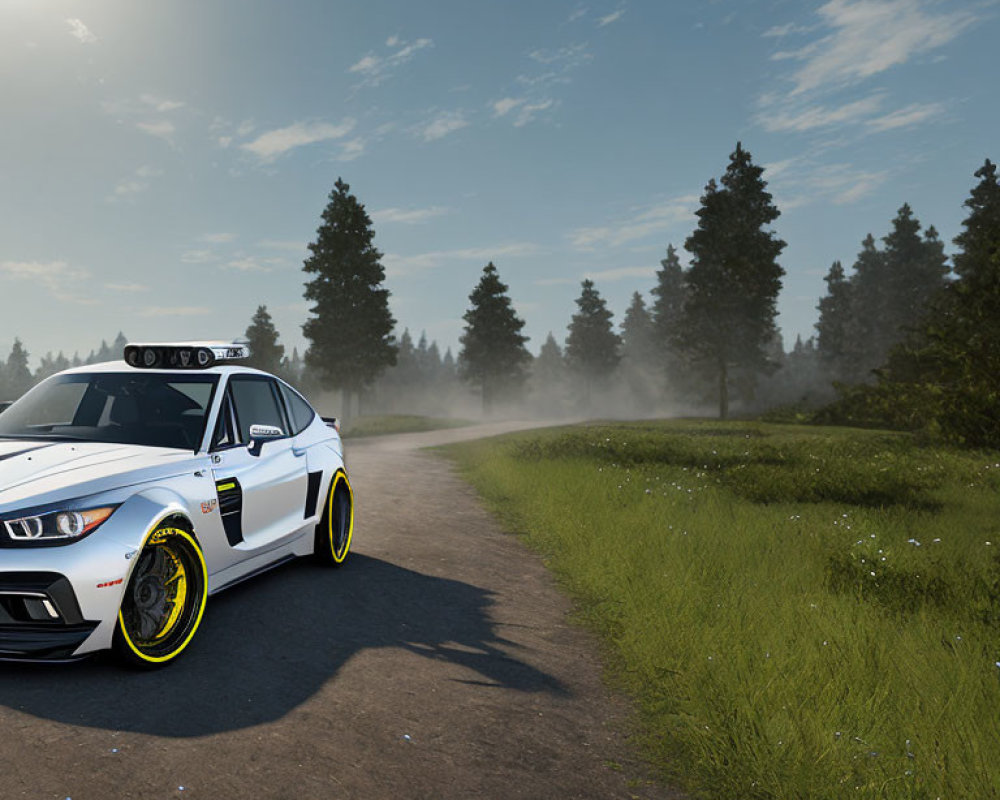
(183, 355)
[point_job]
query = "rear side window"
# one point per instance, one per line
(256, 403)
(298, 409)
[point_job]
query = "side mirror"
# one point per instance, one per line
(260, 434)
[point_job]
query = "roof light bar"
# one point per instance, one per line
(183, 355)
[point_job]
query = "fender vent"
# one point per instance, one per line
(231, 508)
(312, 493)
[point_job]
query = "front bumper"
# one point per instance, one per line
(40, 617)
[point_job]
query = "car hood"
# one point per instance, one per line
(37, 472)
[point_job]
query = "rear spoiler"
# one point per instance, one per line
(332, 423)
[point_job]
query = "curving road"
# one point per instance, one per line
(437, 664)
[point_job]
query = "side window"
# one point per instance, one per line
(225, 432)
(256, 403)
(298, 409)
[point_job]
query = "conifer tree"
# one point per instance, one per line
(734, 278)
(549, 366)
(350, 330)
(16, 375)
(638, 334)
(834, 321)
(946, 376)
(261, 336)
(493, 355)
(592, 345)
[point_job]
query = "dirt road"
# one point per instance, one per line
(437, 664)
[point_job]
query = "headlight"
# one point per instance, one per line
(57, 525)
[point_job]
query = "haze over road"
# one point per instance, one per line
(438, 663)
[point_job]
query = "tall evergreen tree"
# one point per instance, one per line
(947, 374)
(638, 335)
(734, 278)
(493, 355)
(350, 330)
(668, 312)
(261, 335)
(916, 270)
(16, 375)
(549, 367)
(834, 321)
(592, 345)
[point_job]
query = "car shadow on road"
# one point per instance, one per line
(268, 645)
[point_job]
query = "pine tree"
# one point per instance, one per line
(916, 270)
(668, 313)
(592, 345)
(16, 375)
(350, 332)
(493, 355)
(549, 367)
(118, 346)
(834, 321)
(638, 336)
(265, 352)
(734, 278)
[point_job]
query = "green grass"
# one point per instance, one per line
(797, 613)
(397, 423)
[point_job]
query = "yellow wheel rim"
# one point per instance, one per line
(340, 544)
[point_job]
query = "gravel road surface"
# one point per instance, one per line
(439, 663)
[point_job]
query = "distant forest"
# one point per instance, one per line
(904, 338)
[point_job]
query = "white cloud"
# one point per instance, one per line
(803, 119)
(408, 216)
(126, 287)
(161, 128)
(271, 144)
(528, 111)
(160, 104)
(246, 264)
(506, 105)
(580, 12)
(564, 57)
(444, 123)
(51, 274)
(135, 184)
(870, 36)
(781, 31)
(352, 149)
(801, 181)
(408, 265)
(912, 114)
(653, 220)
(614, 16)
(198, 256)
(218, 238)
(375, 69)
(80, 31)
(175, 311)
(58, 277)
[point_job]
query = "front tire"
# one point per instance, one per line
(336, 528)
(164, 600)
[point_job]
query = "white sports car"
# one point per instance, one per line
(131, 491)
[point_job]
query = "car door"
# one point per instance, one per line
(261, 489)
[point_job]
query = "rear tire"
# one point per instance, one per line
(336, 528)
(164, 600)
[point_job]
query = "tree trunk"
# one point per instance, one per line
(723, 390)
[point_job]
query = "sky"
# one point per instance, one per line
(164, 165)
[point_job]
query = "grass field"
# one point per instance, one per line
(396, 423)
(798, 612)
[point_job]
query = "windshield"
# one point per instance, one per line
(153, 409)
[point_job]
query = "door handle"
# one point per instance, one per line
(298, 452)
